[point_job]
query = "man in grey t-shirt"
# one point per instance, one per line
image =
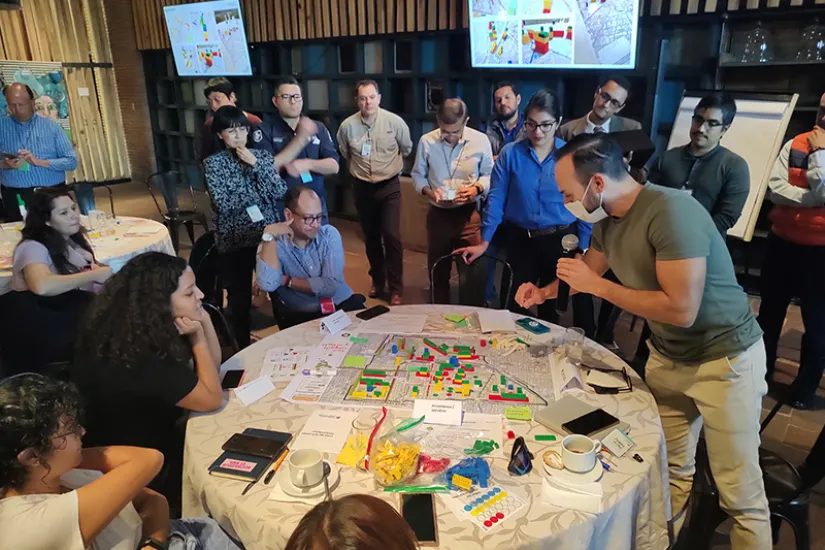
(707, 359)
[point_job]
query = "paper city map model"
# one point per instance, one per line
(436, 367)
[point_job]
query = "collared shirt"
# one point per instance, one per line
(47, 141)
(277, 134)
(590, 128)
(440, 166)
(389, 141)
(523, 191)
(321, 262)
(499, 135)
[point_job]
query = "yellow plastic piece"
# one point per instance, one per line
(462, 482)
(394, 463)
(359, 395)
(493, 48)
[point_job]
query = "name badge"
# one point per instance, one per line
(254, 213)
(315, 140)
(366, 149)
(306, 177)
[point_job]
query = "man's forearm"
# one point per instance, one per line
(291, 151)
(301, 285)
(324, 167)
(653, 305)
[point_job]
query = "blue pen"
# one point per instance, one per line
(604, 464)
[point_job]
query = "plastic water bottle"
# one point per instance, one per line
(22, 207)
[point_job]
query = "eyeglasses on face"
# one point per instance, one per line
(699, 120)
(310, 220)
(545, 127)
(607, 98)
(238, 131)
(292, 97)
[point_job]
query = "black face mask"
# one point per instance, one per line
(521, 459)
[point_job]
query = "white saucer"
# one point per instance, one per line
(282, 477)
(576, 479)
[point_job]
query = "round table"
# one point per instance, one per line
(131, 237)
(635, 505)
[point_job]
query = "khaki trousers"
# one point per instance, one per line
(727, 395)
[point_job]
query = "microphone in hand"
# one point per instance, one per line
(569, 245)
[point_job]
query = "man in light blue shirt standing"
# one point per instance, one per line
(524, 195)
(36, 151)
(452, 168)
(302, 263)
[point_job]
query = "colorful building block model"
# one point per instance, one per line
(476, 469)
(548, 5)
(505, 391)
(542, 46)
(491, 507)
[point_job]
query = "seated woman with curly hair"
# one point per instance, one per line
(56, 494)
(53, 277)
(134, 355)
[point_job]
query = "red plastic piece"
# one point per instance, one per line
(511, 434)
(494, 519)
(488, 523)
(484, 343)
(500, 515)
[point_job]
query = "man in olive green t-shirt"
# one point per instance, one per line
(707, 359)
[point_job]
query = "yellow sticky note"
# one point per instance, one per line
(517, 413)
(354, 361)
(349, 456)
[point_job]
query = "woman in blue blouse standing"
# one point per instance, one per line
(244, 186)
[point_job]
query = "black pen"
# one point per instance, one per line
(277, 462)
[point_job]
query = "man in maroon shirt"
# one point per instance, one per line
(219, 92)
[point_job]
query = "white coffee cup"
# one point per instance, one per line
(306, 468)
(578, 452)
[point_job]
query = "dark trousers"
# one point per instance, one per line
(379, 210)
(534, 261)
(448, 229)
(237, 267)
(287, 318)
(497, 249)
(9, 195)
(793, 270)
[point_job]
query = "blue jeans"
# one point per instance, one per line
(198, 534)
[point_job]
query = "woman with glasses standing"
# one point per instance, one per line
(524, 195)
(244, 186)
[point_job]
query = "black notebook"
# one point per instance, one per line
(244, 467)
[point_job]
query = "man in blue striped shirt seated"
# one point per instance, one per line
(36, 151)
(302, 263)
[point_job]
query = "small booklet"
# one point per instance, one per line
(241, 466)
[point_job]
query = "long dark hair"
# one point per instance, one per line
(131, 319)
(34, 410)
(39, 211)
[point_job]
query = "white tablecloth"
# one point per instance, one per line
(635, 503)
(132, 236)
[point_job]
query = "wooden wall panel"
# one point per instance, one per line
(362, 17)
(391, 17)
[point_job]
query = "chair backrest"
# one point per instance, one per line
(169, 184)
(225, 333)
(205, 263)
(506, 276)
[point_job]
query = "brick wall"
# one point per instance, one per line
(131, 88)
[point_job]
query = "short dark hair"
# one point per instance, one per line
(366, 82)
(219, 84)
(451, 110)
(722, 101)
(594, 154)
(229, 116)
(545, 100)
(505, 84)
(284, 80)
(619, 80)
(34, 410)
(294, 193)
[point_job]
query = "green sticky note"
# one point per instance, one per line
(24, 167)
(357, 340)
(461, 324)
(354, 361)
(455, 318)
(517, 413)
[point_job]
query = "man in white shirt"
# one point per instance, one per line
(452, 168)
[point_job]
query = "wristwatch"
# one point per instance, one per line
(152, 543)
(289, 281)
(267, 237)
(479, 188)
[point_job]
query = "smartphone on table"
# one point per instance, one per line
(372, 312)
(269, 447)
(591, 423)
(418, 510)
(232, 379)
(531, 325)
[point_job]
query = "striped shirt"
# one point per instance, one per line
(47, 141)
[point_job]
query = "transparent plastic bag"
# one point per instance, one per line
(393, 455)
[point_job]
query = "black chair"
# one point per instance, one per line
(229, 346)
(170, 184)
(786, 487)
(506, 276)
(205, 263)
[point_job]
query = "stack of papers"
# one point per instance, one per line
(496, 320)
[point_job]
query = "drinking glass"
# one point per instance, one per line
(362, 428)
(574, 344)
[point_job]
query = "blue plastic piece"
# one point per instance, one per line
(394, 349)
(454, 361)
(475, 469)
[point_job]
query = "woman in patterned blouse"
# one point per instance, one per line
(244, 186)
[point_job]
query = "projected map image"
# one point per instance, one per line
(481, 8)
(532, 8)
(501, 46)
(609, 25)
(547, 41)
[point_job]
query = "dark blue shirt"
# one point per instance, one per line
(524, 192)
(278, 134)
(499, 135)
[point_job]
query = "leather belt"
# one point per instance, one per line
(544, 231)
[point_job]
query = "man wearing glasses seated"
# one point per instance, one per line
(302, 263)
(317, 159)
